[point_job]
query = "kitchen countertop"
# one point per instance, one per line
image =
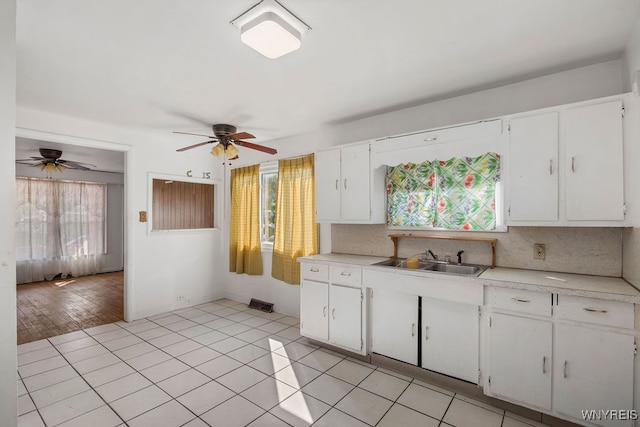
(602, 287)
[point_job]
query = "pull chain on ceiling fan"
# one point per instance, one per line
(226, 138)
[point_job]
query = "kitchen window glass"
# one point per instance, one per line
(268, 190)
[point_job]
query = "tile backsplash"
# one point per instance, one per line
(583, 250)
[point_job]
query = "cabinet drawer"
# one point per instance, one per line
(592, 310)
(346, 275)
(314, 271)
(530, 302)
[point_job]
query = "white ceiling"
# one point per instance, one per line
(166, 65)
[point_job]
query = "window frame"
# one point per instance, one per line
(267, 168)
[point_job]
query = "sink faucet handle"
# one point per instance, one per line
(460, 257)
(434, 256)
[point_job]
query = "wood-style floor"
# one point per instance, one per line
(59, 306)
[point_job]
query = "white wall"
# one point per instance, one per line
(576, 85)
(631, 236)
(158, 266)
(8, 358)
(114, 258)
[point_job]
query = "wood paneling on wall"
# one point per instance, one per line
(179, 205)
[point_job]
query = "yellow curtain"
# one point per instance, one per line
(245, 255)
(296, 231)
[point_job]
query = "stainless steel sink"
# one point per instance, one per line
(437, 267)
(457, 269)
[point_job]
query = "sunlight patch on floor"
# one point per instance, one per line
(64, 283)
(296, 405)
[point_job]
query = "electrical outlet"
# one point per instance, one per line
(180, 298)
(539, 251)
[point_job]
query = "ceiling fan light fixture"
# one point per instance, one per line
(270, 29)
(231, 151)
(217, 150)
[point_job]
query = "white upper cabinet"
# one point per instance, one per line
(593, 162)
(533, 172)
(566, 167)
(347, 189)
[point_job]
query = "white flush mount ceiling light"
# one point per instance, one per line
(270, 29)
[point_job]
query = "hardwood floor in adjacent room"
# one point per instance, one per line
(59, 306)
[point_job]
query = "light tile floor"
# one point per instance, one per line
(223, 364)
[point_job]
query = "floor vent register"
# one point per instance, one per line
(261, 305)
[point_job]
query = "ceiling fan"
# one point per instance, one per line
(51, 162)
(227, 137)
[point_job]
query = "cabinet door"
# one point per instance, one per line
(394, 325)
(594, 370)
(345, 322)
(314, 310)
(520, 360)
(533, 168)
(327, 182)
(593, 162)
(450, 341)
(355, 183)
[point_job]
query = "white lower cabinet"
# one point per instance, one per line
(331, 311)
(345, 323)
(593, 371)
(450, 341)
(394, 325)
(519, 360)
(314, 306)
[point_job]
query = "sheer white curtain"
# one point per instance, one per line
(60, 228)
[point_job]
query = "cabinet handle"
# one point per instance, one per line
(516, 299)
(345, 273)
(426, 333)
(544, 364)
(314, 270)
(333, 314)
(345, 183)
(573, 164)
(564, 370)
(594, 310)
(413, 329)
(433, 138)
(550, 166)
(324, 311)
(337, 183)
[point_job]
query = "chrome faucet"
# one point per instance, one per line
(434, 256)
(460, 257)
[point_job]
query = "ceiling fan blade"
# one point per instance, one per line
(257, 147)
(241, 135)
(196, 145)
(29, 162)
(76, 165)
(197, 134)
(30, 159)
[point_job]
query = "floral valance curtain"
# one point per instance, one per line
(457, 194)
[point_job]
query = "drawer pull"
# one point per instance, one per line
(516, 299)
(413, 329)
(324, 311)
(594, 310)
(337, 180)
(333, 314)
(564, 370)
(345, 273)
(345, 183)
(314, 270)
(426, 333)
(544, 364)
(551, 167)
